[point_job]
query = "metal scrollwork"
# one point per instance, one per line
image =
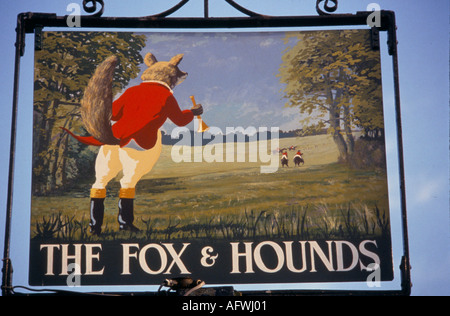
(242, 9)
(171, 10)
(90, 6)
(329, 8)
(206, 9)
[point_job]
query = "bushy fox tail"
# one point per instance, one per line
(96, 106)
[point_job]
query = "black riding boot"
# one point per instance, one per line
(126, 215)
(97, 211)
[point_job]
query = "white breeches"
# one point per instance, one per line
(112, 159)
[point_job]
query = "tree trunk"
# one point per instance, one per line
(64, 163)
(53, 181)
(337, 134)
(348, 131)
(335, 120)
(44, 151)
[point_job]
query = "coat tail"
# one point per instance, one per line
(87, 140)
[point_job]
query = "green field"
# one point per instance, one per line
(228, 200)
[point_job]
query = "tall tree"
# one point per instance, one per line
(62, 71)
(335, 78)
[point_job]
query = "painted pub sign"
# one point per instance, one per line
(235, 158)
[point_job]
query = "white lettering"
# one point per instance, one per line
(374, 19)
(213, 151)
(367, 253)
(90, 256)
(248, 306)
(328, 262)
(290, 257)
(278, 251)
(50, 250)
(126, 257)
(161, 257)
(74, 18)
(265, 155)
(74, 279)
(271, 257)
(235, 150)
(66, 257)
(247, 255)
(181, 151)
(143, 259)
(340, 256)
(194, 306)
(176, 258)
(373, 280)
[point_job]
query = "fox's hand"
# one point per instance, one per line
(198, 110)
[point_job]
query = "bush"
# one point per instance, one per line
(369, 153)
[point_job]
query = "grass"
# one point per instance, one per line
(234, 201)
(300, 223)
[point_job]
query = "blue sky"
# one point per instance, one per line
(423, 30)
(215, 63)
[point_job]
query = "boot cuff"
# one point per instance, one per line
(98, 193)
(127, 193)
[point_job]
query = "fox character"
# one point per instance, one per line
(128, 130)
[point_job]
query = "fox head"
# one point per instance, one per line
(167, 72)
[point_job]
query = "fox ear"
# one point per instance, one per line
(150, 59)
(176, 60)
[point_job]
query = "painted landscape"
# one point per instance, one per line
(324, 87)
(323, 199)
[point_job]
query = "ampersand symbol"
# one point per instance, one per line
(208, 260)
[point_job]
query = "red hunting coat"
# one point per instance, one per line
(140, 112)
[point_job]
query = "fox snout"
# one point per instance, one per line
(182, 76)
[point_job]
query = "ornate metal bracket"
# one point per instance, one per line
(242, 9)
(327, 7)
(171, 10)
(90, 6)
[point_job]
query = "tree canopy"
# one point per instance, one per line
(335, 78)
(62, 71)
